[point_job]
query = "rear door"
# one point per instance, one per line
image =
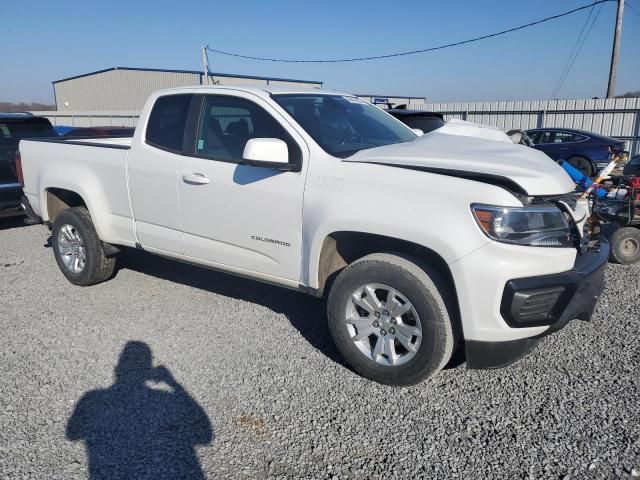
(236, 215)
(153, 166)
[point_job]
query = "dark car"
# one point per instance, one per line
(632, 169)
(13, 128)
(425, 121)
(588, 152)
(99, 132)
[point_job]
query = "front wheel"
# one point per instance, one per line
(78, 250)
(625, 245)
(389, 320)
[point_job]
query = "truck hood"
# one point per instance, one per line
(516, 167)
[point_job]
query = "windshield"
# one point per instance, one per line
(426, 124)
(343, 125)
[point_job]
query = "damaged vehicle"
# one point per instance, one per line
(421, 245)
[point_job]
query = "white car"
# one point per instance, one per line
(423, 245)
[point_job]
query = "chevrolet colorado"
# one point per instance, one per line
(422, 244)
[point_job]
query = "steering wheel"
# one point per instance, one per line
(354, 136)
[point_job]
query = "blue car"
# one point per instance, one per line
(588, 152)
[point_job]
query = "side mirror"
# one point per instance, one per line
(417, 131)
(267, 153)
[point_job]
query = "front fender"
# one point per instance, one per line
(423, 208)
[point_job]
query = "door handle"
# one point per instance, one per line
(195, 178)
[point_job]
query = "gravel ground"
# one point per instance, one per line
(252, 387)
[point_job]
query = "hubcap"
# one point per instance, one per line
(630, 246)
(71, 249)
(383, 324)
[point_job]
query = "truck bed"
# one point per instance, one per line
(94, 168)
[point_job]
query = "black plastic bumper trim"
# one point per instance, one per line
(488, 355)
(582, 286)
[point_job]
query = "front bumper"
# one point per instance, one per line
(550, 300)
(10, 200)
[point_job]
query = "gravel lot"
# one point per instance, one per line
(259, 391)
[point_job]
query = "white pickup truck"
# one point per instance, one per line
(422, 244)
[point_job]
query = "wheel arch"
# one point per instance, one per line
(340, 248)
(59, 199)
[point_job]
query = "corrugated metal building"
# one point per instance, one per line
(122, 88)
(615, 117)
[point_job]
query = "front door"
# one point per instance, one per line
(235, 215)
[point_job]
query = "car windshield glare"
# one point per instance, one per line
(343, 125)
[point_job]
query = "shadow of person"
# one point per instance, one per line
(145, 426)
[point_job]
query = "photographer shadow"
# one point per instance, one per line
(146, 425)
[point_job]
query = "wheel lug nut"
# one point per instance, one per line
(393, 320)
(375, 324)
(383, 332)
(376, 314)
(392, 330)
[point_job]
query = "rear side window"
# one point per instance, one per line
(564, 137)
(167, 121)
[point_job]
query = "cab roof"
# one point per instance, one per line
(262, 91)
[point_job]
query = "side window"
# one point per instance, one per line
(167, 120)
(534, 136)
(545, 137)
(227, 123)
(563, 137)
(5, 134)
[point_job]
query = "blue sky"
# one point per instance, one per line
(46, 41)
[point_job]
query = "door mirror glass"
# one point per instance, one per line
(266, 152)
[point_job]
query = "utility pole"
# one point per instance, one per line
(206, 71)
(615, 53)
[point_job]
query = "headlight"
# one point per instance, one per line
(534, 226)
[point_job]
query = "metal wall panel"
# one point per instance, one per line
(123, 89)
(615, 117)
(116, 89)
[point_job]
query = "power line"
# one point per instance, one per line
(573, 51)
(580, 41)
(412, 52)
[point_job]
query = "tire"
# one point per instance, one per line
(421, 290)
(74, 237)
(625, 245)
(582, 164)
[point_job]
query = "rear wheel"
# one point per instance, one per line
(625, 245)
(78, 250)
(389, 319)
(583, 165)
